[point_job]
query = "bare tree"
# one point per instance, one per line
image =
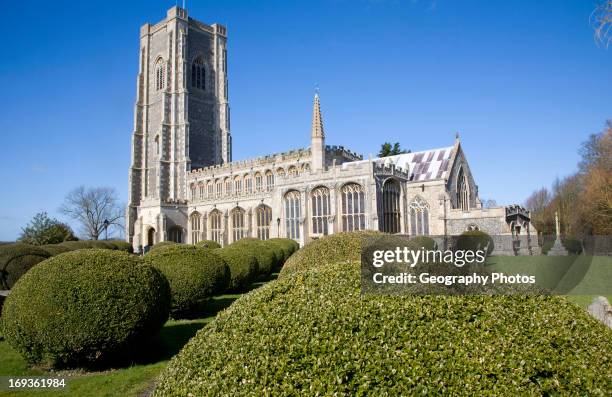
(94, 208)
(601, 19)
(538, 200)
(488, 203)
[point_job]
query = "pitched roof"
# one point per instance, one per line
(423, 166)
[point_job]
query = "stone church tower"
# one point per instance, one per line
(181, 116)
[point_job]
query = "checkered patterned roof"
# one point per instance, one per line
(423, 166)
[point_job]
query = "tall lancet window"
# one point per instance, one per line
(198, 74)
(391, 207)
(293, 213)
(239, 228)
(264, 218)
(353, 207)
(195, 227)
(463, 192)
(216, 226)
(320, 210)
(419, 217)
(160, 75)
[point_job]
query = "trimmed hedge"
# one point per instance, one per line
(292, 245)
(16, 260)
(208, 244)
(268, 256)
(242, 265)
(121, 245)
(313, 332)
(55, 249)
(162, 244)
(425, 242)
(474, 240)
(195, 275)
(84, 307)
(337, 247)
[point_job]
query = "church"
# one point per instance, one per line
(184, 186)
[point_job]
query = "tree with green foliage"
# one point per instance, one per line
(388, 149)
(44, 230)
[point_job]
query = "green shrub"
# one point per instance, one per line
(162, 244)
(208, 244)
(195, 275)
(290, 243)
(55, 249)
(242, 265)
(282, 249)
(333, 248)
(16, 260)
(425, 242)
(573, 245)
(267, 256)
(77, 245)
(84, 307)
(474, 240)
(121, 245)
(313, 332)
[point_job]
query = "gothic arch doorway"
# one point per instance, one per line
(150, 236)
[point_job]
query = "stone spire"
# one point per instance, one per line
(317, 136)
(317, 120)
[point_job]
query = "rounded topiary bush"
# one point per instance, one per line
(474, 240)
(333, 248)
(195, 275)
(121, 245)
(242, 265)
(208, 244)
(16, 260)
(162, 244)
(313, 332)
(76, 245)
(55, 249)
(425, 242)
(267, 256)
(84, 307)
(291, 244)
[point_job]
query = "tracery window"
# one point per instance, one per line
(391, 207)
(160, 75)
(280, 172)
(202, 190)
(195, 227)
(211, 189)
(193, 192)
(264, 218)
(293, 213)
(353, 207)
(239, 229)
(248, 184)
(270, 180)
(258, 182)
(198, 74)
(419, 217)
(216, 226)
(293, 171)
(463, 194)
(228, 187)
(237, 185)
(219, 188)
(319, 198)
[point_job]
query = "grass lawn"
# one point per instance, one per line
(579, 278)
(134, 380)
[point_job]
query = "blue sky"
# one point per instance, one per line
(522, 81)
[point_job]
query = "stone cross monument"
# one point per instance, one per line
(557, 249)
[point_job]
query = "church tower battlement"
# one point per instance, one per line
(181, 115)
